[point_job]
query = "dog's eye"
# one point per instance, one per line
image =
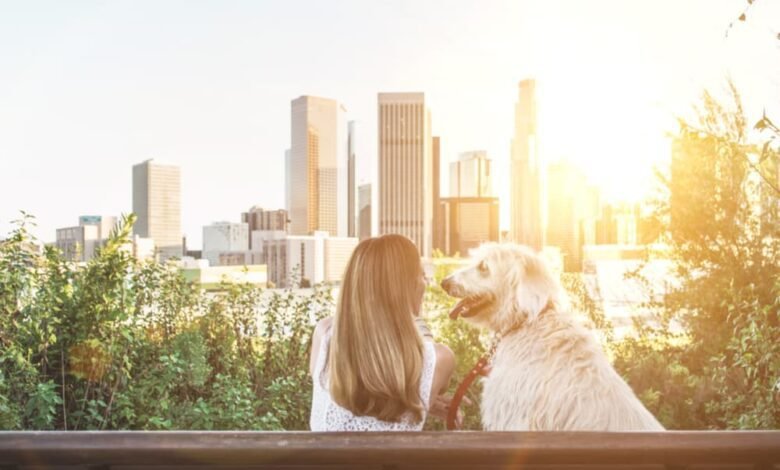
(482, 267)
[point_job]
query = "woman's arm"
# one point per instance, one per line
(445, 366)
(439, 403)
(316, 341)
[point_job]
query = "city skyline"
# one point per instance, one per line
(85, 96)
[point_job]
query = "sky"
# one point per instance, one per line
(89, 88)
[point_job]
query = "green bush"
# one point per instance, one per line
(123, 344)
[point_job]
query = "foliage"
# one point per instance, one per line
(466, 342)
(122, 344)
(721, 219)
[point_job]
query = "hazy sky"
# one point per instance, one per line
(88, 88)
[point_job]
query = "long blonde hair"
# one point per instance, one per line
(375, 359)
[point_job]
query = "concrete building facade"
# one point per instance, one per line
(468, 222)
(318, 173)
(304, 261)
(352, 187)
(365, 216)
(104, 223)
(221, 239)
(80, 243)
(157, 204)
(470, 175)
(259, 219)
(406, 168)
(438, 213)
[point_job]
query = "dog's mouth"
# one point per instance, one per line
(472, 306)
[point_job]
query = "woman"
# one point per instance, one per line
(371, 368)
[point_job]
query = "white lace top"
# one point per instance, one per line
(326, 415)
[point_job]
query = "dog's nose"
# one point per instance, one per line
(447, 284)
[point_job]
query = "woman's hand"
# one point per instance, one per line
(440, 409)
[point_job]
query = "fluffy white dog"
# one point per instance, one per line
(548, 372)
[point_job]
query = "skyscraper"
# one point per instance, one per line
(318, 167)
(157, 204)
(438, 210)
(364, 212)
(406, 168)
(526, 172)
(470, 175)
(352, 196)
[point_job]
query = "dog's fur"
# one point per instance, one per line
(549, 373)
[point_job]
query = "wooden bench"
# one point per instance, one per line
(429, 450)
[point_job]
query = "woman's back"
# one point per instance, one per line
(372, 369)
(327, 415)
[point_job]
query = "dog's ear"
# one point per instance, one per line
(535, 288)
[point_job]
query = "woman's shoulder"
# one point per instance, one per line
(316, 342)
(323, 326)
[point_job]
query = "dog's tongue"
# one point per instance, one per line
(460, 309)
(469, 306)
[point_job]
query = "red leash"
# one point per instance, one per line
(475, 371)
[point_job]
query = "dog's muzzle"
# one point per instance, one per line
(450, 287)
(469, 305)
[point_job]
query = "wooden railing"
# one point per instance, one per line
(435, 450)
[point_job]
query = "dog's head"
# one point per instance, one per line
(504, 286)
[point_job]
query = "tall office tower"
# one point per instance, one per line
(438, 210)
(157, 203)
(567, 211)
(352, 196)
(318, 167)
(364, 211)
(526, 204)
(406, 168)
(470, 175)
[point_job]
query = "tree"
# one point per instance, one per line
(721, 222)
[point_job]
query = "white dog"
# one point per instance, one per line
(548, 372)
